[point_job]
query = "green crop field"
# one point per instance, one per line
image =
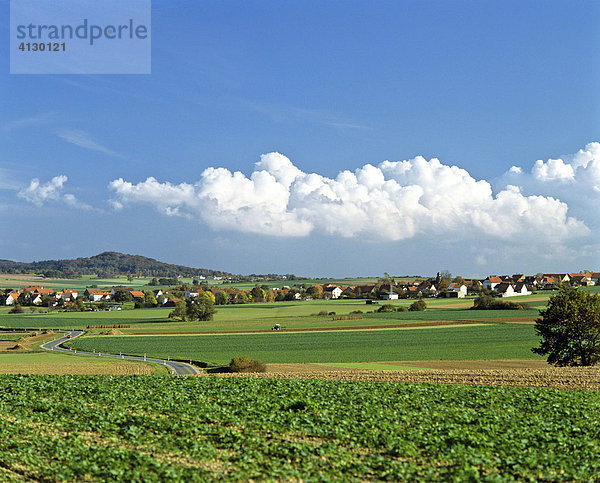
(13, 335)
(299, 314)
(492, 341)
(78, 320)
(81, 428)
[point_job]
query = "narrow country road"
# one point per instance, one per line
(178, 368)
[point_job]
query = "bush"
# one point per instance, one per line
(356, 312)
(331, 313)
(402, 309)
(245, 364)
(418, 306)
(387, 308)
(17, 309)
(323, 312)
(487, 302)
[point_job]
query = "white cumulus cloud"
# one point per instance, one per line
(575, 179)
(39, 193)
(391, 201)
(553, 169)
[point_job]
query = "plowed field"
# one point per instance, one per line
(549, 377)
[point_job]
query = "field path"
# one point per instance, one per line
(178, 368)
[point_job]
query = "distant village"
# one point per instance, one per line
(385, 289)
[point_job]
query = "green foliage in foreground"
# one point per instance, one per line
(208, 429)
(493, 341)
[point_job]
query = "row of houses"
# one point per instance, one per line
(39, 295)
(36, 295)
(98, 295)
(389, 292)
(519, 284)
(502, 285)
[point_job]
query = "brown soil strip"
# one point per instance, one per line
(474, 365)
(322, 329)
(569, 378)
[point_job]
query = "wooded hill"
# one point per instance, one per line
(106, 263)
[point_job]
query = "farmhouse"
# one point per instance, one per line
(583, 279)
(427, 288)
(546, 280)
(32, 288)
(389, 296)
(521, 289)
(12, 298)
(505, 289)
(171, 302)
(69, 294)
(491, 282)
(333, 293)
(362, 290)
(456, 290)
(562, 277)
(96, 295)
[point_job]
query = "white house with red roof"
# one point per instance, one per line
(491, 282)
(11, 298)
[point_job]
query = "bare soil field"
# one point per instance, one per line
(515, 373)
(475, 364)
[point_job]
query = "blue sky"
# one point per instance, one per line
(504, 94)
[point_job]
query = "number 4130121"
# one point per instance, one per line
(42, 47)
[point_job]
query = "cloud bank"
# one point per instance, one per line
(388, 202)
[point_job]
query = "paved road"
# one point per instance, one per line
(179, 368)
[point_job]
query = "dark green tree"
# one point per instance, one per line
(221, 298)
(76, 305)
(418, 306)
(150, 299)
(570, 328)
(200, 308)
(122, 296)
(258, 294)
(242, 297)
(180, 311)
